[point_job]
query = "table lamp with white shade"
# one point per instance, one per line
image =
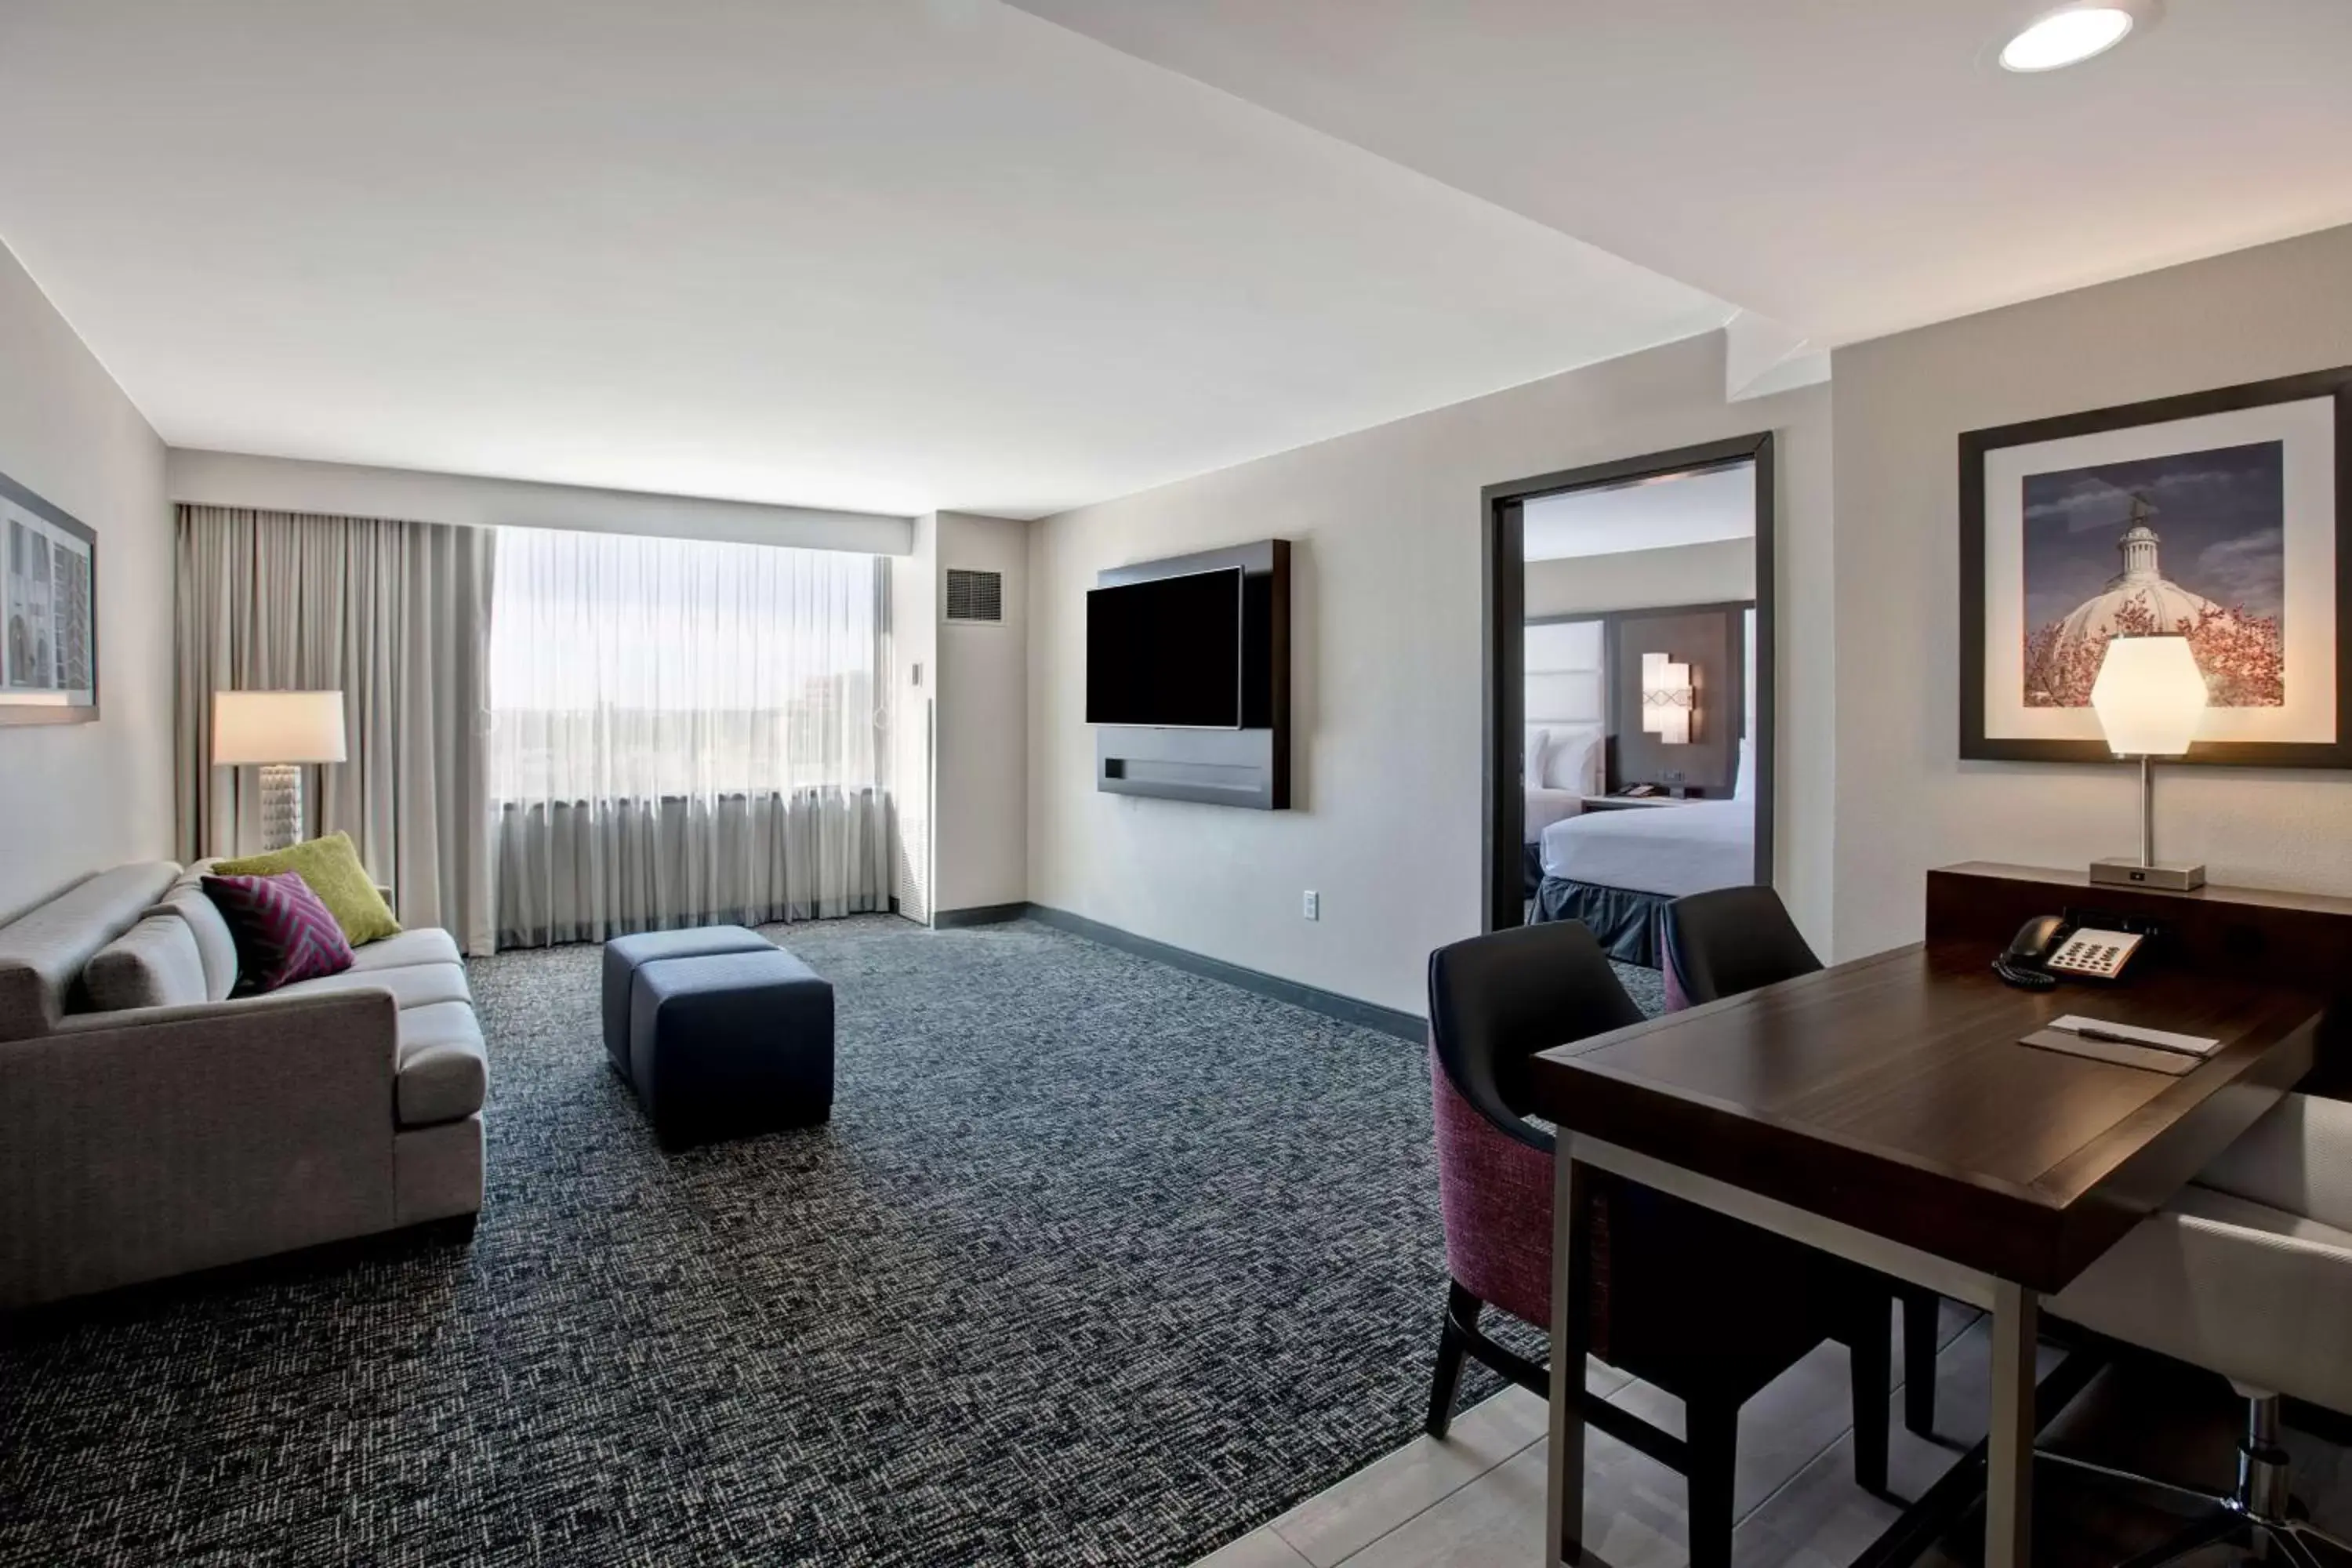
(281, 731)
(2150, 698)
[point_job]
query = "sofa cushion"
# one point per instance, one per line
(155, 964)
(425, 944)
(442, 1071)
(284, 933)
(214, 941)
(44, 952)
(411, 984)
(331, 867)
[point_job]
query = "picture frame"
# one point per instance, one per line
(48, 612)
(2225, 516)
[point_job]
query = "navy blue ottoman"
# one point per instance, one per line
(622, 955)
(728, 1044)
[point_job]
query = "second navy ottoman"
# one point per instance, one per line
(733, 1043)
(625, 954)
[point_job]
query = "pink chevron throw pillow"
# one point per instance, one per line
(283, 932)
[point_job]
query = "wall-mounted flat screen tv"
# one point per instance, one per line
(1167, 653)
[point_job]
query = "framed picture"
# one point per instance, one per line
(48, 596)
(2224, 517)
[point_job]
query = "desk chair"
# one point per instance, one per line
(1731, 940)
(1703, 1306)
(2247, 1273)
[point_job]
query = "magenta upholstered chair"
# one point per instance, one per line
(1676, 1299)
(1732, 940)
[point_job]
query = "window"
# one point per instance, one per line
(629, 668)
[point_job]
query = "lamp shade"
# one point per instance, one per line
(2149, 696)
(277, 727)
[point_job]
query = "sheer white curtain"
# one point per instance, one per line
(684, 732)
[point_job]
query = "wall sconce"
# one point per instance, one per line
(1668, 698)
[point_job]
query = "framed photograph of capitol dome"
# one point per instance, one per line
(2224, 517)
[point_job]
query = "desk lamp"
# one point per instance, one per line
(2150, 698)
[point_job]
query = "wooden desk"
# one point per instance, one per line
(1883, 1111)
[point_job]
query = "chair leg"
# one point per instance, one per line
(1711, 1440)
(1921, 1312)
(1462, 1311)
(1871, 1361)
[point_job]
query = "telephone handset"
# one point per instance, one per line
(2048, 946)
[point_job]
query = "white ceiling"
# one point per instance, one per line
(1849, 167)
(1655, 514)
(887, 254)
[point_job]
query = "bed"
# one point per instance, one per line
(1563, 766)
(1615, 869)
(1544, 807)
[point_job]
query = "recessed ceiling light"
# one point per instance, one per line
(2067, 37)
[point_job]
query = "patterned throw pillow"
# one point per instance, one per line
(331, 867)
(283, 932)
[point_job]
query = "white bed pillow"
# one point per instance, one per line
(1574, 759)
(1538, 750)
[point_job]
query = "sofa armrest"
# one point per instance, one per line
(155, 1140)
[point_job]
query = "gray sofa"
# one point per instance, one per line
(148, 1125)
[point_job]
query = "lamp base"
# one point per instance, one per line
(281, 806)
(2132, 874)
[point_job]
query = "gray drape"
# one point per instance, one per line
(584, 872)
(395, 615)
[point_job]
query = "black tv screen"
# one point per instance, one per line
(1167, 654)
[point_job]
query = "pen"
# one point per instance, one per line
(2113, 1040)
(2108, 1037)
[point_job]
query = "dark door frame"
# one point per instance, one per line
(1503, 544)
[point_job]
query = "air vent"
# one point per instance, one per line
(975, 595)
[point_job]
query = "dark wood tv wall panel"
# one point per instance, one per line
(1246, 767)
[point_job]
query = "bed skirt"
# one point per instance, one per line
(1625, 923)
(1532, 861)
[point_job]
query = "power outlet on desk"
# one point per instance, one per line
(1310, 905)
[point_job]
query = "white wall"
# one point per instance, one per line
(1905, 799)
(1717, 573)
(283, 484)
(914, 690)
(76, 798)
(1389, 766)
(980, 804)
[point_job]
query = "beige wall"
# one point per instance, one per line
(980, 803)
(1389, 766)
(1714, 572)
(75, 798)
(1907, 802)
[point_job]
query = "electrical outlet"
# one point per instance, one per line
(1311, 906)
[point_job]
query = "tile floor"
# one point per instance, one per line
(1478, 1499)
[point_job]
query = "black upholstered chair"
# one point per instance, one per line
(1731, 940)
(1703, 1306)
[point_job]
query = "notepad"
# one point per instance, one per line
(2162, 1039)
(2173, 1064)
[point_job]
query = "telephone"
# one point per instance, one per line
(1643, 791)
(2048, 946)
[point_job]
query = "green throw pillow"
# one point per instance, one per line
(332, 868)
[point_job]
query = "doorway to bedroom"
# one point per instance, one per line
(1629, 689)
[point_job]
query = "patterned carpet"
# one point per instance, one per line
(1099, 1262)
